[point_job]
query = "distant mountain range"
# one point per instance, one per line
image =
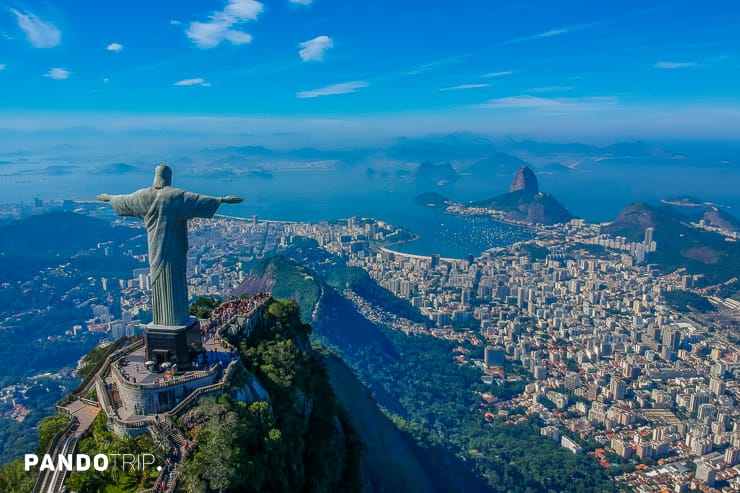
(474, 152)
(468, 146)
(456, 146)
(495, 166)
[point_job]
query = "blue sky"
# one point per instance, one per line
(549, 69)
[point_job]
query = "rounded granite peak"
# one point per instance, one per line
(524, 180)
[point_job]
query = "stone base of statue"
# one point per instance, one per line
(173, 344)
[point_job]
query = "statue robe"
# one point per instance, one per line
(165, 212)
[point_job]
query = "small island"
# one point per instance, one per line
(432, 199)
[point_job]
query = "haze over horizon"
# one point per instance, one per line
(324, 70)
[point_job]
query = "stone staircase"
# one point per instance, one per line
(166, 432)
(172, 431)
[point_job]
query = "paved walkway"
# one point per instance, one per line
(84, 413)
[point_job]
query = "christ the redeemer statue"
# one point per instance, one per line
(165, 211)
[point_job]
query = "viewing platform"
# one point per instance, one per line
(133, 390)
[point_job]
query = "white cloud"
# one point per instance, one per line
(114, 47)
(193, 82)
(175, 22)
(550, 33)
(57, 74)
(553, 32)
(106, 80)
(464, 86)
(223, 24)
(2, 67)
(436, 64)
(670, 65)
(301, 2)
(546, 34)
(527, 102)
(313, 50)
(550, 89)
(40, 33)
(343, 88)
(497, 74)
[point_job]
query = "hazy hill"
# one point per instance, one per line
(634, 218)
(431, 199)
(678, 244)
(113, 169)
(37, 242)
(619, 149)
(436, 172)
(57, 234)
(628, 149)
(721, 219)
(553, 168)
(441, 147)
(500, 164)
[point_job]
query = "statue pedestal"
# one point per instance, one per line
(172, 343)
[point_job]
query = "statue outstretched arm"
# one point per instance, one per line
(231, 199)
(134, 204)
(201, 205)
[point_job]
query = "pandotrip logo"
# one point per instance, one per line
(83, 462)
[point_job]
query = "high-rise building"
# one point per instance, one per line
(732, 456)
(617, 389)
(649, 233)
(698, 399)
(672, 339)
(718, 369)
(706, 473)
(494, 356)
(571, 380)
(716, 386)
(706, 411)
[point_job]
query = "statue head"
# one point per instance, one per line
(162, 176)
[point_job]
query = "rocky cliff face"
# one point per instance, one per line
(283, 429)
(524, 180)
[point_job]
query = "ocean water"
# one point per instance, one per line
(596, 194)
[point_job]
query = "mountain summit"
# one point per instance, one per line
(524, 180)
(524, 202)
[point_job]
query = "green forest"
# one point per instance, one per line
(440, 407)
